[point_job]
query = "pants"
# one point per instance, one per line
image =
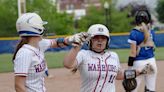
(150, 79)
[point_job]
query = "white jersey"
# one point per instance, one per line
(98, 72)
(30, 62)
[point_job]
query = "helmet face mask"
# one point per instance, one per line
(30, 24)
(142, 16)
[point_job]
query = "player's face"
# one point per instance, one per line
(99, 43)
(35, 39)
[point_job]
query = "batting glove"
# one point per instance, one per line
(78, 39)
(148, 69)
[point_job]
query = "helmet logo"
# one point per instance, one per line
(28, 20)
(100, 29)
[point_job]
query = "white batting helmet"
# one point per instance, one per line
(99, 29)
(30, 24)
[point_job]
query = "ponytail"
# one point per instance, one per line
(24, 40)
(146, 35)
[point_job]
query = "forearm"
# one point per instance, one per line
(60, 42)
(20, 88)
(20, 84)
(120, 75)
(127, 74)
(133, 50)
(69, 60)
(132, 55)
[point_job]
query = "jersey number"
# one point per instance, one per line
(111, 78)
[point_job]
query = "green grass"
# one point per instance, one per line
(55, 59)
(6, 64)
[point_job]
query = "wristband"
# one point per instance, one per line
(61, 42)
(130, 61)
(129, 74)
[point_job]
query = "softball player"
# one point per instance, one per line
(142, 45)
(29, 60)
(99, 67)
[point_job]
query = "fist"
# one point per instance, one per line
(78, 39)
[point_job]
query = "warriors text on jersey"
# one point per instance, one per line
(98, 72)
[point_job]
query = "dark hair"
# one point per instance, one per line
(24, 40)
(74, 70)
(142, 16)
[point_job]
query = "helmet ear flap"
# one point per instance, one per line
(107, 44)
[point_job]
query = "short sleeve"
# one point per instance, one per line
(132, 37)
(118, 61)
(22, 62)
(117, 58)
(80, 57)
(45, 44)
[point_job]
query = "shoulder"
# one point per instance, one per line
(25, 52)
(83, 51)
(113, 53)
(45, 41)
(135, 31)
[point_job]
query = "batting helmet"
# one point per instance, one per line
(142, 16)
(30, 24)
(99, 29)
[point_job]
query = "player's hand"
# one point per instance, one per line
(78, 39)
(148, 69)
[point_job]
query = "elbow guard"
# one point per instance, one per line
(130, 61)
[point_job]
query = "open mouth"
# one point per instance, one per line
(99, 45)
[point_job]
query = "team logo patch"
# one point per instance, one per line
(100, 29)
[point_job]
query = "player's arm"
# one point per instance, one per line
(126, 74)
(133, 73)
(77, 41)
(20, 83)
(60, 42)
(74, 40)
(133, 53)
(70, 58)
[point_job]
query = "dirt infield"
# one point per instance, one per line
(63, 80)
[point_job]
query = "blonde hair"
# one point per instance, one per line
(146, 35)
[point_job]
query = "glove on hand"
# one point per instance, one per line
(148, 69)
(129, 83)
(78, 39)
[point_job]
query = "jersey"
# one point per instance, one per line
(98, 72)
(30, 62)
(143, 52)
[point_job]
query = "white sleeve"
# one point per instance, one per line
(22, 62)
(118, 62)
(80, 57)
(45, 44)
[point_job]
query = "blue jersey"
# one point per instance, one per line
(137, 37)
